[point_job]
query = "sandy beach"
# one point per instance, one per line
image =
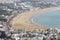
(22, 20)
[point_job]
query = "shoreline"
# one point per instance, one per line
(33, 16)
(22, 20)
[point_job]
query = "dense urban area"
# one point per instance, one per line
(11, 8)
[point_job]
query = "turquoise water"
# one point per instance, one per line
(47, 19)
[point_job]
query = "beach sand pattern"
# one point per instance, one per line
(22, 20)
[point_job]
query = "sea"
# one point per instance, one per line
(50, 19)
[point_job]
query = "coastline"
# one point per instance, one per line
(22, 20)
(39, 14)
